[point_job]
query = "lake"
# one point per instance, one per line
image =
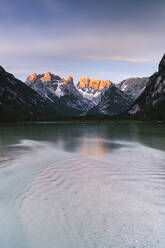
(66, 185)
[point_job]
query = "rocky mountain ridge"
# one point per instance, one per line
(93, 85)
(133, 87)
(113, 102)
(83, 98)
(60, 91)
(151, 103)
(18, 102)
(49, 97)
(92, 89)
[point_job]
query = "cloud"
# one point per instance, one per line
(79, 35)
(104, 44)
(119, 58)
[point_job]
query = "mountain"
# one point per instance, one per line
(49, 97)
(18, 102)
(109, 100)
(112, 102)
(133, 87)
(92, 89)
(81, 99)
(150, 105)
(62, 93)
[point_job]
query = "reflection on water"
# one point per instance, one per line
(84, 186)
(93, 147)
(96, 147)
(69, 137)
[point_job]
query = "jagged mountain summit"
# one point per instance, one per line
(93, 89)
(108, 98)
(61, 92)
(151, 103)
(48, 81)
(82, 99)
(133, 87)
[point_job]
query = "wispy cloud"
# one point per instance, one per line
(79, 35)
(105, 44)
(120, 58)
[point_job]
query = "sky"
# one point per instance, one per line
(108, 39)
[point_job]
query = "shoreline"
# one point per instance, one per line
(83, 122)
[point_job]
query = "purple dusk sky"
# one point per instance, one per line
(109, 39)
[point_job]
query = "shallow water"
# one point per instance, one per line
(82, 186)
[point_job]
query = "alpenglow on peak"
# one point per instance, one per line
(95, 83)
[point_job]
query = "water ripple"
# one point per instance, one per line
(65, 200)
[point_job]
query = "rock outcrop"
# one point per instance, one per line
(47, 77)
(69, 79)
(162, 66)
(95, 84)
(33, 77)
(92, 89)
(150, 105)
(104, 84)
(84, 82)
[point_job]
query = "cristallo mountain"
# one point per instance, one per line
(83, 99)
(93, 86)
(93, 89)
(108, 98)
(150, 105)
(133, 87)
(60, 92)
